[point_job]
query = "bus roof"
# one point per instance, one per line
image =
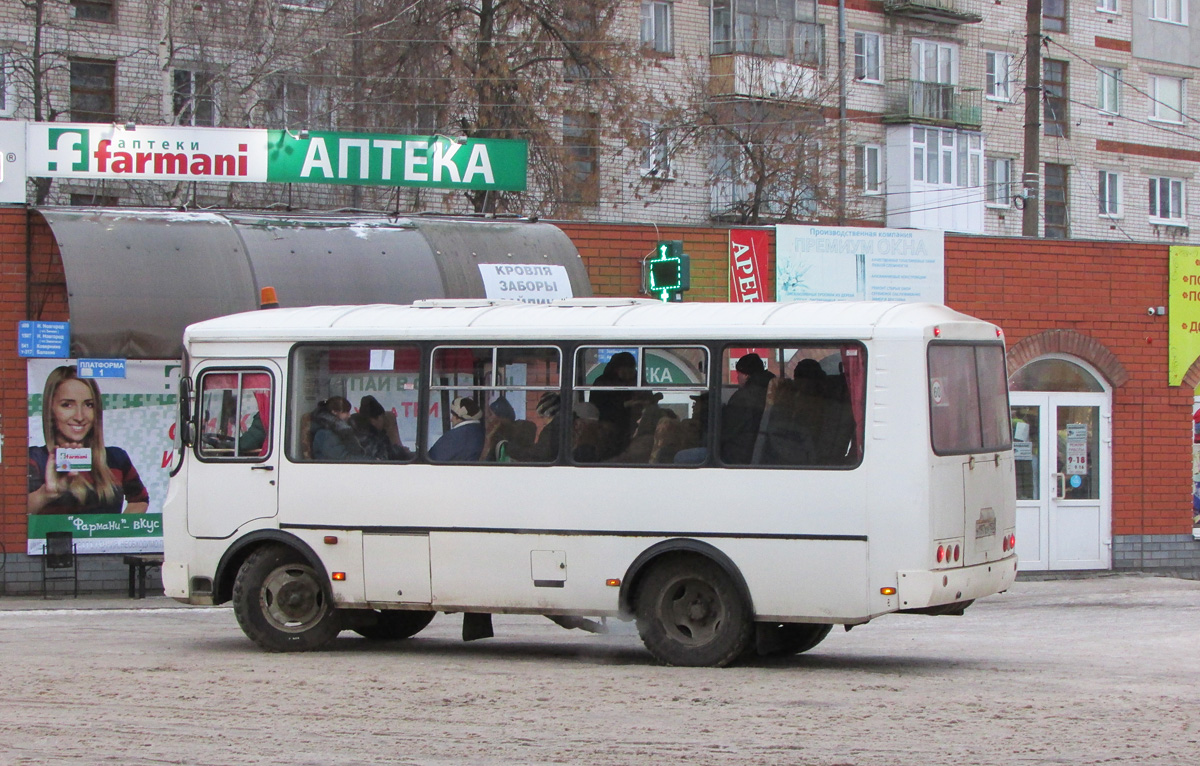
(587, 318)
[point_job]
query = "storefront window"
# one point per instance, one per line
(1054, 375)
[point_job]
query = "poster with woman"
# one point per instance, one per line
(100, 452)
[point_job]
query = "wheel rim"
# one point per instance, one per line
(691, 611)
(292, 598)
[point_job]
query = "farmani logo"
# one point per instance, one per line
(68, 149)
(164, 161)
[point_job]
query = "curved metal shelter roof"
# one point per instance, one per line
(136, 278)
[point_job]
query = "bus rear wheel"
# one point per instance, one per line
(281, 603)
(782, 639)
(689, 613)
(394, 624)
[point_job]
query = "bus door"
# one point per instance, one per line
(1062, 447)
(232, 477)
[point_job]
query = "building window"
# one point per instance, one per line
(999, 76)
(295, 104)
(1054, 15)
(1109, 91)
(868, 57)
(947, 158)
(1109, 194)
(93, 90)
(656, 152)
(998, 191)
(1167, 95)
(581, 143)
(1054, 87)
(93, 10)
(1106, 6)
(80, 199)
(780, 29)
(868, 168)
(1173, 11)
(1056, 200)
(7, 101)
(192, 99)
(1166, 201)
(657, 19)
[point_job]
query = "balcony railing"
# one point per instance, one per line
(934, 102)
(938, 11)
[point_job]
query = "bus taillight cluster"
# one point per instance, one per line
(1010, 543)
(947, 554)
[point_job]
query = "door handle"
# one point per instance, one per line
(262, 468)
(1060, 486)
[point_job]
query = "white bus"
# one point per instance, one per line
(734, 477)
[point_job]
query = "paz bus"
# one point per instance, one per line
(736, 478)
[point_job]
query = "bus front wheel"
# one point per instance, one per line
(281, 603)
(689, 613)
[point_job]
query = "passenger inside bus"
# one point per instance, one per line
(744, 410)
(378, 432)
(464, 440)
(646, 414)
(543, 450)
(621, 371)
(333, 437)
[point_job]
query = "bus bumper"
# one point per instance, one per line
(919, 589)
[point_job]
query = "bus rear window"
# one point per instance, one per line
(968, 398)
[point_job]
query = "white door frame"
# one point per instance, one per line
(1044, 522)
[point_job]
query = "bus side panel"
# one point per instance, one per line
(803, 580)
(396, 568)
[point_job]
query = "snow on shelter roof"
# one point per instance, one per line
(615, 318)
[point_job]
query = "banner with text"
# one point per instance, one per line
(1183, 308)
(827, 263)
(145, 152)
(128, 431)
(748, 250)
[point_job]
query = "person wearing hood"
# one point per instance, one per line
(333, 437)
(378, 431)
(464, 440)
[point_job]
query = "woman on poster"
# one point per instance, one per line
(73, 417)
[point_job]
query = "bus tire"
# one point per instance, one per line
(690, 613)
(394, 624)
(783, 639)
(281, 603)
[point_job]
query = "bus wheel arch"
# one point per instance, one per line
(282, 602)
(236, 555)
(677, 546)
(692, 605)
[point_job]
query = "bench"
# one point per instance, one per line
(138, 564)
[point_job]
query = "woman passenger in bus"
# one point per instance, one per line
(378, 432)
(73, 417)
(464, 440)
(333, 437)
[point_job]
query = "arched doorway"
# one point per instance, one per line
(1062, 439)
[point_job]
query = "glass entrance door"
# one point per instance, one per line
(1062, 448)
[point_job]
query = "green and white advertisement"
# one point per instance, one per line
(100, 452)
(165, 153)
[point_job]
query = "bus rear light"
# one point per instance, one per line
(339, 576)
(886, 591)
(941, 554)
(937, 332)
(956, 553)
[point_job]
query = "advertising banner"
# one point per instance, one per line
(1183, 307)
(748, 250)
(828, 263)
(145, 152)
(116, 448)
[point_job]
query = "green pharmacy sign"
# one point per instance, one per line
(373, 159)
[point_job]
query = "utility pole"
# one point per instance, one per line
(1030, 181)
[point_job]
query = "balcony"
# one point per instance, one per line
(934, 103)
(937, 11)
(748, 76)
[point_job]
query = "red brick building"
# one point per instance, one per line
(1074, 313)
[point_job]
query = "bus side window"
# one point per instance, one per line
(235, 415)
(495, 404)
(792, 406)
(353, 403)
(642, 405)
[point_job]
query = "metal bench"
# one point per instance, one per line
(138, 565)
